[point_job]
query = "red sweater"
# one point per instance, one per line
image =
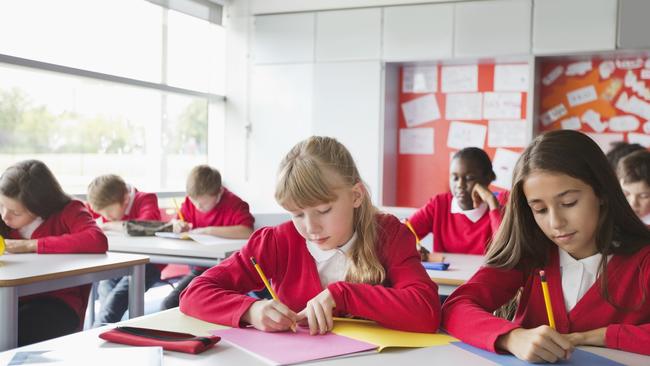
(229, 211)
(71, 230)
(455, 233)
(467, 313)
(408, 300)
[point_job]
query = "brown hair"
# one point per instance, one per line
(306, 179)
(520, 243)
(203, 180)
(106, 190)
(635, 167)
(32, 183)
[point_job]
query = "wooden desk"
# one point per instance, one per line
(27, 274)
(164, 250)
(225, 354)
(462, 267)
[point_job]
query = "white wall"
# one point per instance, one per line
(297, 68)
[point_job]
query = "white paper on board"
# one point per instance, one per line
(606, 69)
(646, 127)
(578, 68)
(501, 105)
(511, 77)
(503, 165)
(592, 119)
(420, 79)
(421, 110)
(629, 64)
(633, 105)
(416, 141)
(462, 135)
(553, 75)
(464, 106)
(456, 79)
(553, 114)
(510, 133)
(605, 140)
(624, 123)
(571, 123)
(639, 138)
(645, 74)
(582, 95)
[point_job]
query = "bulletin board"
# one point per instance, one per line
(606, 98)
(444, 108)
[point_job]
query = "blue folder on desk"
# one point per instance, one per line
(438, 266)
(578, 357)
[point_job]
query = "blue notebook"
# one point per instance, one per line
(578, 357)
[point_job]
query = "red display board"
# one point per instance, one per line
(422, 175)
(608, 99)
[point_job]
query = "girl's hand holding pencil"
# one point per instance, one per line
(318, 313)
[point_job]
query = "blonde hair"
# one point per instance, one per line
(305, 179)
(106, 190)
(203, 180)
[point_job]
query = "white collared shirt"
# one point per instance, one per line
(578, 275)
(332, 264)
(131, 199)
(27, 230)
(473, 215)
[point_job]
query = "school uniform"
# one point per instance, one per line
(408, 299)
(71, 230)
(229, 211)
(455, 230)
(114, 292)
(467, 314)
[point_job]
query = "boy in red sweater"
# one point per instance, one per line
(464, 219)
(337, 256)
(634, 174)
(37, 216)
(211, 209)
(110, 198)
(567, 216)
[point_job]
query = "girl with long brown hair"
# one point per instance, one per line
(566, 215)
(338, 255)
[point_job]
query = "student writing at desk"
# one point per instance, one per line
(211, 209)
(464, 219)
(567, 216)
(37, 216)
(116, 202)
(337, 256)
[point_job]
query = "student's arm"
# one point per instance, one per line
(229, 232)
(411, 302)
(147, 208)
(496, 214)
(468, 312)
(84, 236)
(422, 219)
(219, 295)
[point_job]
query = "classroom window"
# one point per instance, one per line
(83, 124)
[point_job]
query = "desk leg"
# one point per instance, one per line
(136, 292)
(8, 318)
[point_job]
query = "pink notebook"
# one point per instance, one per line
(287, 348)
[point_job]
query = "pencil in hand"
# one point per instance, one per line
(547, 300)
(268, 285)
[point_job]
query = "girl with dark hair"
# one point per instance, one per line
(566, 215)
(39, 217)
(464, 219)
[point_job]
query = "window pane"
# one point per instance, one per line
(196, 54)
(120, 37)
(84, 128)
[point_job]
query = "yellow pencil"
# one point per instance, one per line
(547, 300)
(2, 245)
(417, 239)
(178, 210)
(267, 284)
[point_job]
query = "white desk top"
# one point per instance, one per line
(22, 269)
(461, 268)
(225, 354)
(152, 245)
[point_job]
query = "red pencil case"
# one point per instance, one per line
(170, 341)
